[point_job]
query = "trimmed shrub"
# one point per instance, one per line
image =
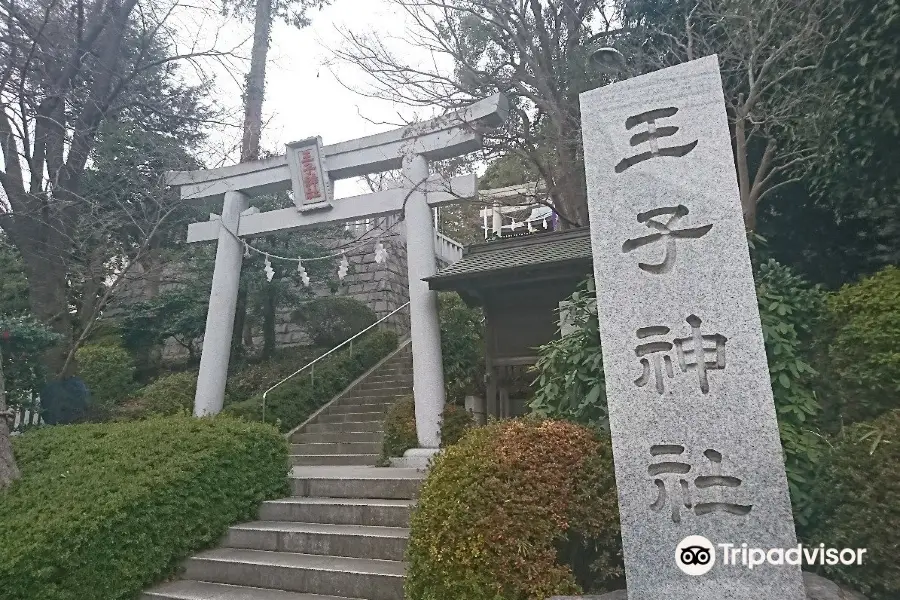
(298, 398)
(400, 432)
(455, 422)
(168, 395)
(105, 510)
(858, 496)
(333, 319)
(108, 372)
(864, 355)
(399, 428)
(520, 510)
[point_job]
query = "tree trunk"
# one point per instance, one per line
(254, 94)
(256, 81)
(9, 472)
(269, 322)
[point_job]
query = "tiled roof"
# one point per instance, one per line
(537, 250)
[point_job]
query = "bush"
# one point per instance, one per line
(105, 510)
(400, 432)
(293, 403)
(791, 311)
(455, 422)
(462, 348)
(399, 428)
(570, 383)
(108, 372)
(858, 495)
(168, 395)
(519, 509)
(333, 319)
(864, 355)
(253, 378)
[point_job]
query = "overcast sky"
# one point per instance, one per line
(303, 97)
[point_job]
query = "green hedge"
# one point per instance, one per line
(105, 510)
(332, 319)
(519, 509)
(297, 399)
(864, 353)
(858, 500)
(108, 371)
(169, 395)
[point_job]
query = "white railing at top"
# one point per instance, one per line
(446, 248)
(311, 365)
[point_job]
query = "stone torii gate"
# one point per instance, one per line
(410, 149)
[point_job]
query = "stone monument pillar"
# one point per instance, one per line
(694, 433)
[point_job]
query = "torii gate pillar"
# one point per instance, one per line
(222, 305)
(425, 329)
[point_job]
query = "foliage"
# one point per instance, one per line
(455, 422)
(400, 433)
(864, 353)
(298, 398)
(22, 341)
(790, 311)
(856, 128)
(570, 382)
(399, 428)
(128, 502)
(255, 376)
(462, 347)
(168, 395)
(503, 512)
(858, 500)
(179, 313)
(13, 285)
(108, 372)
(333, 320)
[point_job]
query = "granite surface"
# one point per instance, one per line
(695, 438)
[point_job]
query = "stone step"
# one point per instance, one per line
(339, 511)
(367, 397)
(355, 541)
(203, 590)
(355, 482)
(349, 417)
(334, 459)
(346, 427)
(342, 409)
(396, 376)
(381, 388)
(341, 437)
(307, 573)
(337, 448)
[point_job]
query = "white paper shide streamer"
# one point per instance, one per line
(270, 272)
(345, 266)
(301, 271)
(380, 253)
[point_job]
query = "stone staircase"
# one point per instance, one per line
(342, 534)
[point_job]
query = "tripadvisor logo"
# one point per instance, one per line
(696, 555)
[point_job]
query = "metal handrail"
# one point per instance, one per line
(336, 348)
